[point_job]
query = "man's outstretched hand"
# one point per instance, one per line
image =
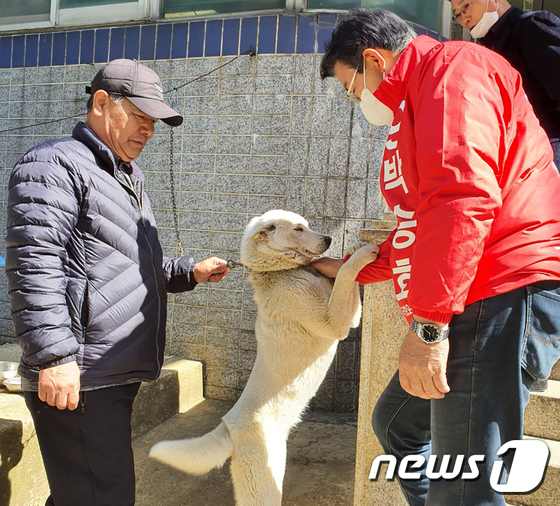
(328, 266)
(212, 269)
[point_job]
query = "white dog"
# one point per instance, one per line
(301, 317)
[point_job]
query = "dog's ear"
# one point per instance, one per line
(262, 233)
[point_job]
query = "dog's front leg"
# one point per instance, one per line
(344, 308)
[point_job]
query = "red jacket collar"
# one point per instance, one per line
(392, 89)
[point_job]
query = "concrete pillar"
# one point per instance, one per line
(384, 327)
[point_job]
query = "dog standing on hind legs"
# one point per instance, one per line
(301, 316)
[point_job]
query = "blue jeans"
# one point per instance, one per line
(500, 348)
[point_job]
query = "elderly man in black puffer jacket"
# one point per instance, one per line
(88, 282)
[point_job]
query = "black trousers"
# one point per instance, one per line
(556, 149)
(87, 452)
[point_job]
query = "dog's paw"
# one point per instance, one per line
(352, 248)
(363, 256)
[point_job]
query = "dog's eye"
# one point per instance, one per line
(298, 229)
(270, 228)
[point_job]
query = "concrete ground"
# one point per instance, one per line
(320, 471)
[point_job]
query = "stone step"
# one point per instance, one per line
(541, 415)
(10, 352)
(320, 470)
(178, 389)
(22, 476)
(548, 494)
(22, 479)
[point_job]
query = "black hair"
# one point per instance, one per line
(361, 29)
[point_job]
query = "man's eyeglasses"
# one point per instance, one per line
(465, 9)
(350, 95)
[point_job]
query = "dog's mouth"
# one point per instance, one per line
(308, 253)
(300, 253)
(322, 246)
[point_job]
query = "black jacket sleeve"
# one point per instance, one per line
(42, 212)
(179, 274)
(541, 50)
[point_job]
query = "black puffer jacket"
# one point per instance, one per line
(86, 274)
(530, 42)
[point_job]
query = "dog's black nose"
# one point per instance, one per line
(327, 240)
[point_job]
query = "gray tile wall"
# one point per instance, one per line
(259, 134)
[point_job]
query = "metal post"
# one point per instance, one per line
(53, 16)
(295, 5)
(445, 29)
(149, 9)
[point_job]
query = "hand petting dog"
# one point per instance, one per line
(330, 266)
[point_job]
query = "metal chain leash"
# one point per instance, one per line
(174, 198)
(174, 103)
(174, 99)
(231, 264)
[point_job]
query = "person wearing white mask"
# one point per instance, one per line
(530, 42)
(374, 66)
(478, 16)
(375, 111)
(469, 175)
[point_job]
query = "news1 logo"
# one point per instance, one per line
(526, 474)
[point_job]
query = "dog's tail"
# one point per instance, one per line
(196, 456)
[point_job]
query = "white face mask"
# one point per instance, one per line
(376, 112)
(487, 21)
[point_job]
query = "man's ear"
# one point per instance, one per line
(100, 101)
(377, 55)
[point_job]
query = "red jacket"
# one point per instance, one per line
(469, 174)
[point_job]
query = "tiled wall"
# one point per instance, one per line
(263, 132)
(214, 37)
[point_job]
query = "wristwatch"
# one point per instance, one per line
(429, 333)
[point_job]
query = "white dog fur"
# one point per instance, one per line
(301, 317)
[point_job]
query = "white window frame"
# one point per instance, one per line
(85, 16)
(132, 11)
(137, 10)
(34, 24)
(291, 6)
(102, 14)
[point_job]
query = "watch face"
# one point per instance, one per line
(430, 333)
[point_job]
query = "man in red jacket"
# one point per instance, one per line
(475, 258)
